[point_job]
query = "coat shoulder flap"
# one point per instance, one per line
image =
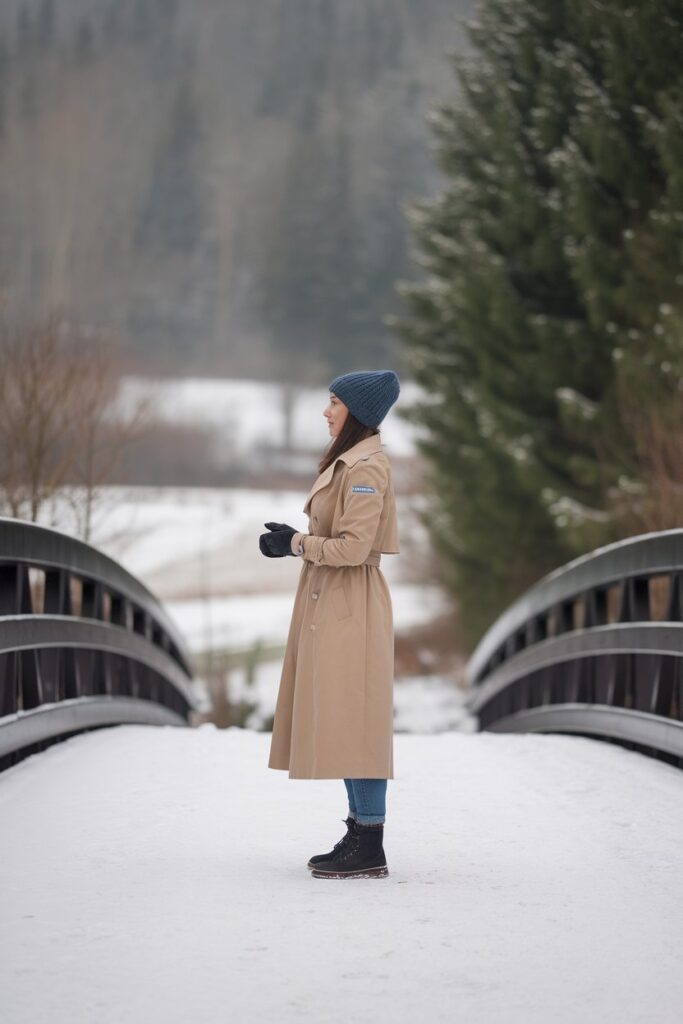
(369, 474)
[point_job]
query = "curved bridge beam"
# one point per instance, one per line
(594, 647)
(37, 546)
(43, 632)
(83, 644)
(49, 721)
(598, 720)
(645, 638)
(648, 555)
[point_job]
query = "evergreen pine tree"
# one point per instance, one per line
(46, 22)
(556, 163)
(170, 235)
(84, 46)
(172, 216)
(25, 29)
(4, 86)
(311, 259)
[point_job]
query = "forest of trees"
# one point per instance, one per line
(221, 184)
(547, 331)
(222, 187)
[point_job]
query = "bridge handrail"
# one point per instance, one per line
(41, 547)
(97, 649)
(592, 648)
(646, 555)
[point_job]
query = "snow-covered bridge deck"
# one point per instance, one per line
(159, 874)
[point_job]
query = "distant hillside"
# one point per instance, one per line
(219, 181)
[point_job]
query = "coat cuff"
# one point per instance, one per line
(296, 537)
(313, 548)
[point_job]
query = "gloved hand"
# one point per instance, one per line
(278, 542)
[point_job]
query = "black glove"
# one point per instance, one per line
(278, 542)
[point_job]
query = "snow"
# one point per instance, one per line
(248, 414)
(241, 621)
(195, 546)
(197, 550)
(427, 704)
(422, 704)
(188, 539)
(159, 874)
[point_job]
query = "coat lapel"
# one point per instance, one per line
(323, 480)
(365, 447)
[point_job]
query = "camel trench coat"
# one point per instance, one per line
(334, 712)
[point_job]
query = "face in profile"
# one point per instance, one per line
(335, 413)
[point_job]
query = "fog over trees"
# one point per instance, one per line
(219, 183)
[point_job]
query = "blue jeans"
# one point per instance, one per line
(367, 800)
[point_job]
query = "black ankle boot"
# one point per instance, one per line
(362, 856)
(350, 830)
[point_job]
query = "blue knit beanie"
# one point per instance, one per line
(368, 394)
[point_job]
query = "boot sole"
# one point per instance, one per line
(367, 873)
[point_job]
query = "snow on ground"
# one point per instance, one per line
(423, 704)
(197, 549)
(428, 704)
(189, 541)
(239, 622)
(251, 413)
(159, 874)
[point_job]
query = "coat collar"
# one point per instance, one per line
(368, 446)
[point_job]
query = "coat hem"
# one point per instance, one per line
(355, 774)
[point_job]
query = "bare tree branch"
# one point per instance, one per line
(61, 431)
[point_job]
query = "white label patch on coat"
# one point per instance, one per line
(365, 490)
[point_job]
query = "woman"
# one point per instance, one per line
(334, 712)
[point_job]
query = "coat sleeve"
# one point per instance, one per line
(364, 489)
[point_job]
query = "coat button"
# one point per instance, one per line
(314, 595)
(312, 627)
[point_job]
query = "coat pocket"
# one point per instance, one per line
(340, 604)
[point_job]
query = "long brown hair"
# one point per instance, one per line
(351, 433)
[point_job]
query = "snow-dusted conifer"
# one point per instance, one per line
(553, 246)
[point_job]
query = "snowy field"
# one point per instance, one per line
(248, 415)
(423, 704)
(159, 875)
(197, 550)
